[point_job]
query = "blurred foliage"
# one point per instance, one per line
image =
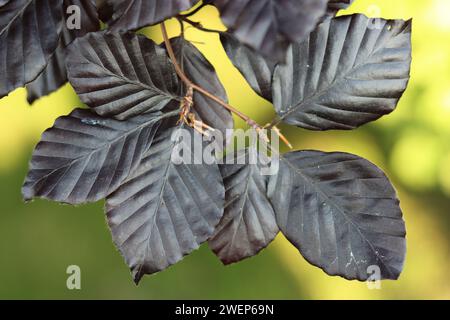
(39, 240)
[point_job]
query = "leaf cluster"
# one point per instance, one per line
(321, 72)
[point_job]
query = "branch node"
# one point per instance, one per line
(188, 100)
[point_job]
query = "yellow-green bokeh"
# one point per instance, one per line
(412, 145)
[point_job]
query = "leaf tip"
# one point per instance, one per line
(137, 276)
(27, 194)
(408, 24)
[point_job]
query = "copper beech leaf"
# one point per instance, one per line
(341, 212)
(350, 71)
(121, 75)
(248, 224)
(135, 14)
(29, 35)
(84, 157)
(255, 68)
(51, 78)
(269, 26)
(165, 209)
(55, 74)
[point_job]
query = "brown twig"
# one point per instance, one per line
(192, 86)
(282, 137)
(196, 25)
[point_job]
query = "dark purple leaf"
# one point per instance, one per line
(341, 212)
(51, 78)
(164, 210)
(84, 157)
(248, 224)
(351, 70)
(270, 25)
(29, 35)
(121, 75)
(135, 14)
(55, 74)
(256, 69)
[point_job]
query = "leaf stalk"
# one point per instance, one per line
(192, 86)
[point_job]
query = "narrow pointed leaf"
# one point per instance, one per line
(351, 70)
(164, 210)
(135, 14)
(84, 157)
(55, 74)
(200, 71)
(121, 75)
(248, 224)
(341, 212)
(256, 69)
(29, 35)
(270, 25)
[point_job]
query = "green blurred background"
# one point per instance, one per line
(39, 240)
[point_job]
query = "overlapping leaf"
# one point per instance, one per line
(55, 74)
(165, 210)
(248, 224)
(270, 25)
(135, 14)
(200, 71)
(350, 71)
(121, 75)
(51, 78)
(84, 157)
(256, 69)
(29, 35)
(341, 212)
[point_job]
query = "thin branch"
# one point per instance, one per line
(282, 137)
(192, 86)
(196, 25)
(172, 56)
